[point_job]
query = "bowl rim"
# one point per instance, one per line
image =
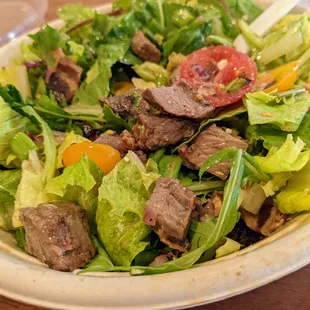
(216, 280)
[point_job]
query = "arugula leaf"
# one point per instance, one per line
(187, 39)
(205, 187)
(46, 41)
(20, 236)
(56, 117)
(114, 121)
(170, 165)
(200, 232)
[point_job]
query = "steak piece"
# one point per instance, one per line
(266, 222)
(58, 235)
(123, 143)
(209, 142)
(178, 100)
(64, 81)
(168, 212)
(144, 48)
(126, 105)
(153, 132)
(175, 76)
(113, 140)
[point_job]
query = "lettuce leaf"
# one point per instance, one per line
(97, 82)
(242, 8)
(274, 137)
(285, 113)
(79, 183)
(295, 197)
(122, 197)
(229, 247)
(281, 162)
(9, 180)
(46, 41)
(21, 145)
(289, 157)
(34, 176)
(74, 14)
(11, 122)
(30, 190)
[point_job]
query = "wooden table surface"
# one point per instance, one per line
(288, 293)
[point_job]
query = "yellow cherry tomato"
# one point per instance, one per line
(105, 156)
(122, 87)
(280, 79)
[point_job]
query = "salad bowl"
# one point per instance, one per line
(25, 279)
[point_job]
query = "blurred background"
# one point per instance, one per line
(19, 16)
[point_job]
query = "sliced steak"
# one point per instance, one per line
(178, 100)
(58, 235)
(266, 222)
(153, 132)
(123, 143)
(169, 211)
(175, 75)
(209, 142)
(113, 140)
(128, 105)
(64, 81)
(144, 48)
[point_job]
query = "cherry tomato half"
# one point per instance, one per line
(210, 70)
(105, 156)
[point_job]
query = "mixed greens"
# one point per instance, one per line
(44, 134)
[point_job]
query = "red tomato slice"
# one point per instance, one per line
(209, 70)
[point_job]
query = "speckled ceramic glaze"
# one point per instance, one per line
(23, 278)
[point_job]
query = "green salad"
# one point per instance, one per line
(143, 141)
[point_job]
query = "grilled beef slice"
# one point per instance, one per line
(144, 48)
(168, 212)
(64, 81)
(266, 222)
(58, 235)
(178, 100)
(209, 142)
(123, 143)
(113, 140)
(125, 105)
(153, 132)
